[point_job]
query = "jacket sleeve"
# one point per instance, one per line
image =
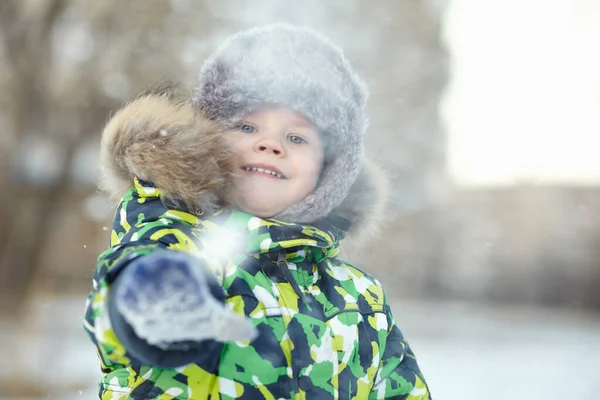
(116, 343)
(398, 376)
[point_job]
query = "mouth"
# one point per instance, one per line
(266, 170)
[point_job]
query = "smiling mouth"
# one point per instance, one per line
(264, 171)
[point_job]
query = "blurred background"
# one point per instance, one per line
(485, 113)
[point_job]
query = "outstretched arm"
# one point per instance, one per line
(158, 307)
(167, 307)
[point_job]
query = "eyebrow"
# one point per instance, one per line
(301, 123)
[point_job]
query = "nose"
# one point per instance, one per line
(269, 146)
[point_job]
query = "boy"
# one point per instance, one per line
(222, 280)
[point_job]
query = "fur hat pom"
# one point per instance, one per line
(162, 138)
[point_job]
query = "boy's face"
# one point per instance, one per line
(278, 154)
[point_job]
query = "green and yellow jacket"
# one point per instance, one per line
(325, 327)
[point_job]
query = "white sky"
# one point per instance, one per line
(523, 102)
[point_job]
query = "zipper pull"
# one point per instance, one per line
(282, 261)
(283, 264)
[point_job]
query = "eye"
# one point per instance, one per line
(247, 128)
(296, 139)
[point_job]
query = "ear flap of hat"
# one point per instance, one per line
(366, 204)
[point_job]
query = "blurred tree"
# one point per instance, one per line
(25, 32)
(64, 66)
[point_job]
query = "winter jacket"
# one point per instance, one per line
(325, 326)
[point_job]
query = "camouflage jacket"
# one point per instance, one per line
(325, 326)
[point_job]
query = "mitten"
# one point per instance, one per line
(168, 297)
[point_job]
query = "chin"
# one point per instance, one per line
(264, 215)
(260, 213)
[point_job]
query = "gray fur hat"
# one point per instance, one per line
(300, 69)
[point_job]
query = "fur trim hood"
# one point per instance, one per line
(161, 137)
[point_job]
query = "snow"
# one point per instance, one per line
(467, 351)
(52, 349)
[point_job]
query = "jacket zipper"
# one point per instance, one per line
(283, 264)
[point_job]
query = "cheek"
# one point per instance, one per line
(313, 172)
(313, 177)
(239, 150)
(237, 146)
(237, 140)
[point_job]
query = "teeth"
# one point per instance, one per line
(264, 171)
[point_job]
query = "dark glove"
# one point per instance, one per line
(166, 298)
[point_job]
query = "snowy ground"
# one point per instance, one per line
(466, 351)
(473, 352)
